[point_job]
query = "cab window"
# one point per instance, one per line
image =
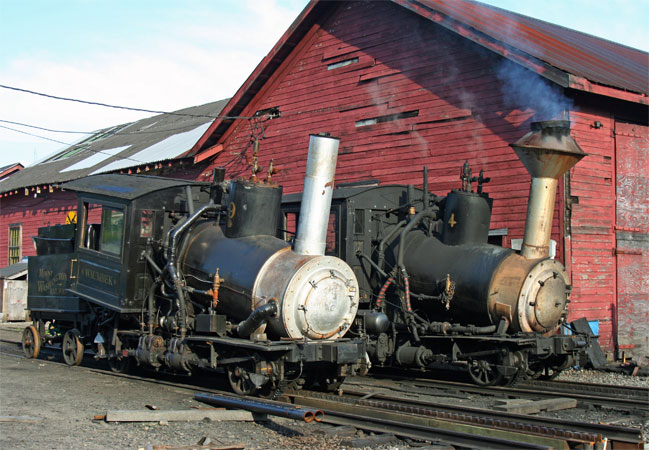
(112, 230)
(104, 228)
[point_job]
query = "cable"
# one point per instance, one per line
(45, 129)
(128, 108)
(74, 145)
(128, 133)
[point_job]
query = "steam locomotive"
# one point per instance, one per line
(309, 288)
(180, 275)
(434, 293)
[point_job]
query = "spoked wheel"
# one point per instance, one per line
(550, 372)
(239, 378)
(31, 342)
(484, 374)
(72, 348)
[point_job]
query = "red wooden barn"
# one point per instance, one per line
(407, 84)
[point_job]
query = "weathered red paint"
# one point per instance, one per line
(424, 68)
(632, 238)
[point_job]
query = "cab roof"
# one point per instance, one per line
(127, 187)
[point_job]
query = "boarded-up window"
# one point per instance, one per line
(15, 239)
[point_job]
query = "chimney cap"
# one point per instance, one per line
(548, 150)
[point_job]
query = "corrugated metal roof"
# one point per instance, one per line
(158, 138)
(165, 149)
(577, 53)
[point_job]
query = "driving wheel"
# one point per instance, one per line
(72, 348)
(31, 342)
(484, 374)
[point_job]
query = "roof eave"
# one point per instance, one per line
(558, 76)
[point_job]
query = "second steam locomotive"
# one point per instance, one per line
(434, 292)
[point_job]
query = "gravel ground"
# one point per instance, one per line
(595, 376)
(63, 400)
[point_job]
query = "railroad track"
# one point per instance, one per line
(457, 424)
(625, 398)
(416, 419)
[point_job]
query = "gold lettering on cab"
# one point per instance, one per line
(100, 277)
(50, 283)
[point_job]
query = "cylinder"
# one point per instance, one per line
(316, 198)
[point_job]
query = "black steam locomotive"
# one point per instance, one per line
(433, 292)
(178, 275)
(173, 274)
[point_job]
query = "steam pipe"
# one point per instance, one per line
(256, 318)
(290, 412)
(316, 198)
(395, 230)
(171, 263)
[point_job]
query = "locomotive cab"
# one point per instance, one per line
(118, 218)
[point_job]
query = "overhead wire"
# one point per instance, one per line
(255, 123)
(81, 144)
(128, 108)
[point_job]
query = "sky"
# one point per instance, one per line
(165, 55)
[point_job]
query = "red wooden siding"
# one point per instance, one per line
(632, 235)
(32, 213)
(435, 97)
(592, 265)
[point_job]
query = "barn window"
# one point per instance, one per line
(15, 240)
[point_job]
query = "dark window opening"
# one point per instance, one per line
(388, 118)
(344, 63)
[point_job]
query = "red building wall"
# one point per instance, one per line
(32, 212)
(592, 192)
(398, 63)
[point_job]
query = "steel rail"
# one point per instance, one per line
(405, 424)
(578, 432)
(624, 398)
(629, 392)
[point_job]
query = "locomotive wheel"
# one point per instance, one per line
(31, 342)
(72, 348)
(551, 372)
(240, 381)
(120, 365)
(484, 374)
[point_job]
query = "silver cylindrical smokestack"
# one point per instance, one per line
(316, 198)
(548, 151)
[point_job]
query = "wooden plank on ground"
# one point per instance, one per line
(178, 415)
(533, 407)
